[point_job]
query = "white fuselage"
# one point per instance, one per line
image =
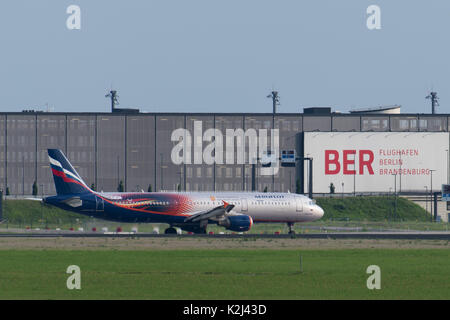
(262, 207)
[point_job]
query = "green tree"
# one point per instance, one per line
(265, 189)
(120, 188)
(179, 187)
(35, 189)
(7, 191)
(149, 188)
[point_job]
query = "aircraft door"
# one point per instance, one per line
(99, 204)
(244, 205)
(299, 204)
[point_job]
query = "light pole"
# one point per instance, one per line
(254, 173)
(395, 183)
(275, 101)
(342, 190)
(426, 198)
(400, 173)
(180, 173)
(448, 173)
(354, 175)
(300, 185)
(290, 182)
(161, 171)
(42, 213)
(307, 171)
(23, 175)
(431, 194)
(247, 175)
(118, 173)
(395, 195)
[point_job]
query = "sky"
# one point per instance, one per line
(223, 56)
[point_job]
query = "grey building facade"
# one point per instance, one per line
(106, 148)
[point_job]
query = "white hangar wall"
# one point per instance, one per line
(374, 161)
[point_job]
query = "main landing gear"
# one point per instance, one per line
(194, 229)
(170, 230)
(188, 227)
(290, 225)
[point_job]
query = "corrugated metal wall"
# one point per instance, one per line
(136, 148)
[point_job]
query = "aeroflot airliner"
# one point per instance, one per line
(190, 211)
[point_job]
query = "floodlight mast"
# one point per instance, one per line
(114, 99)
(275, 100)
(434, 101)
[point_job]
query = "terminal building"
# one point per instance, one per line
(136, 149)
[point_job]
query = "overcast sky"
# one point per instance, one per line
(223, 56)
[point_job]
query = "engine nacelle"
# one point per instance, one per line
(240, 223)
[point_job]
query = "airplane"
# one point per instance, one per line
(189, 211)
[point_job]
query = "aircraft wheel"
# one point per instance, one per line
(170, 230)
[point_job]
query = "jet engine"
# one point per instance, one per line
(239, 223)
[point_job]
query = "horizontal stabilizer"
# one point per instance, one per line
(73, 202)
(34, 199)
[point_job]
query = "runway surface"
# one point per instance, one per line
(418, 235)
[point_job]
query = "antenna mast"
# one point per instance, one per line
(434, 101)
(275, 100)
(114, 99)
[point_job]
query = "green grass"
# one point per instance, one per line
(372, 209)
(225, 274)
(29, 212)
(366, 212)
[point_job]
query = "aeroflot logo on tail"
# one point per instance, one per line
(348, 162)
(235, 153)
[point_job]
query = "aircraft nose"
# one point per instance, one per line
(318, 212)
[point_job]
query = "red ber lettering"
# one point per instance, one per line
(334, 161)
(365, 163)
(349, 161)
(349, 164)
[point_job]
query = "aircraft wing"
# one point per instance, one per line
(213, 213)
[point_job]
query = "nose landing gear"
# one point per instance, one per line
(290, 225)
